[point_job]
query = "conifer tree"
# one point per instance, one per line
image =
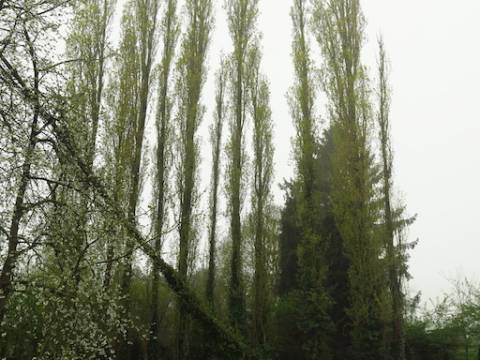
(313, 310)
(339, 28)
(393, 256)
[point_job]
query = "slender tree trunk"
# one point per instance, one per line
(236, 295)
(95, 99)
(170, 36)
(109, 266)
(241, 16)
(263, 154)
(216, 141)
(191, 71)
(188, 184)
(259, 237)
(8, 268)
(395, 283)
(146, 50)
(259, 278)
(210, 291)
(146, 22)
(98, 92)
(115, 231)
(18, 212)
(185, 240)
(159, 221)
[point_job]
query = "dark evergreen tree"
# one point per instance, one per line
(339, 28)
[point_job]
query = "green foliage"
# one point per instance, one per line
(312, 265)
(216, 135)
(51, 320)
(242, 15)
(318, 279)
(191, 74)
(339, 30)
(287, 334)
(448, 329)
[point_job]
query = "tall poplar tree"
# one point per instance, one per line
(313, 309)
(190, 79)
(242, 15)
(216, 134)
(140, 24)
(391, 225)
(259, 94)
(120, 133)
(144, 20)
(87, 44)
(339, 26)
(170, 29)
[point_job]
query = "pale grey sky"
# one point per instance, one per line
(434, 50)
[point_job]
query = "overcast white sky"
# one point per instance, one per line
(434, 49)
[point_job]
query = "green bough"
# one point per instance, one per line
(230, 344)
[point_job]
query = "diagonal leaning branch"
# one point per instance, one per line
(229, 342)
(194, 305)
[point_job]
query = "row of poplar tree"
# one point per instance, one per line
(87, 270)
